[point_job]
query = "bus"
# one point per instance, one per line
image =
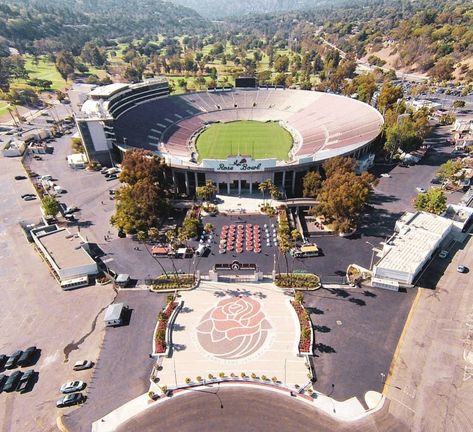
(305, 251)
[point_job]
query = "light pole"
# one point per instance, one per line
(372, 253)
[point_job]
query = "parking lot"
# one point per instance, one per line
(35, 311)
(356, 333)
(123, 367)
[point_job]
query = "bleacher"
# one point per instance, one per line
(324, 121)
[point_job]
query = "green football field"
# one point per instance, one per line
(249, 138)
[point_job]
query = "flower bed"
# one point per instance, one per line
(160, 334)
(172, 282)
(297, 280)
(305, 339)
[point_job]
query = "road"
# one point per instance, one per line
(249, 410)
(434, 367)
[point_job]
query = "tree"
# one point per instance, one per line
(50, 205)
(388, 95)
(207, 191)
(364, 86)
(443, 69)
(342, 197)
(432, 201)
(142, 200)
(77, 146)
(281, 64)
(339, 164)
(311, 183)
(65, 64)
(458, 104)
(448, 169)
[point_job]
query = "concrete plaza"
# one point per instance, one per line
(207, 341)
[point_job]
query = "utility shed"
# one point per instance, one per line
(114, 314)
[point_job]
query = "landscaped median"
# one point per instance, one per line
(303, 281)
(162, 332)
(306, 336)
(172, 282)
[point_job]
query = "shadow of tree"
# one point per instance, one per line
(325, 348)
(358, 302)
(178, 327)
(369, 293)
(322, 329)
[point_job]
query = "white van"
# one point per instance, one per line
(46, 177)
(201, 250)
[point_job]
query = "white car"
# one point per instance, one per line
(443, 254)
(72, 386)
(386, 175)
(420, 189)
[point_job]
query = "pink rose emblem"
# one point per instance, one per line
(234, 329)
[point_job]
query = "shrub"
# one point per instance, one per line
(211, 376)
(243, 375)
(232, 375)
(253, 375)
(221, 375)
(274, 379)
(199, 379)
(188, 380)
(264, 378)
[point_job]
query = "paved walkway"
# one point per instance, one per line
(232, 329)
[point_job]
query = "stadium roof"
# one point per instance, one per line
(107, 90)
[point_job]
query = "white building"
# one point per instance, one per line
(77, 161)
(417, 236)
(67, 253)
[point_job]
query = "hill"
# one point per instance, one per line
(50, 25)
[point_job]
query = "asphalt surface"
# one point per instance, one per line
(35, 311)
(124, 366)
(248, 410)
(432, 377)
(356, 331)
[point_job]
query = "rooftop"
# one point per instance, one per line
(64, 248)
(418, 233)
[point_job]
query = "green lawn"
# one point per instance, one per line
(44, 70)
(249, 138)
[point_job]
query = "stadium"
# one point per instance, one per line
(235, 137)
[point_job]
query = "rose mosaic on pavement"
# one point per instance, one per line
(234, 329)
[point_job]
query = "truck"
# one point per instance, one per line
(310, 250)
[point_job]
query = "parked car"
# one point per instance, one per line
(3, 377)
(26, 357)
(461, 269)
(82, 365)
(72, 386)
(25, 380)
(13, 359)
(420, 189)
(29, 197)
(69, 400)
(71, 210)
(3, 359)
(12, 381)
(443, 254)
(20, 177)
